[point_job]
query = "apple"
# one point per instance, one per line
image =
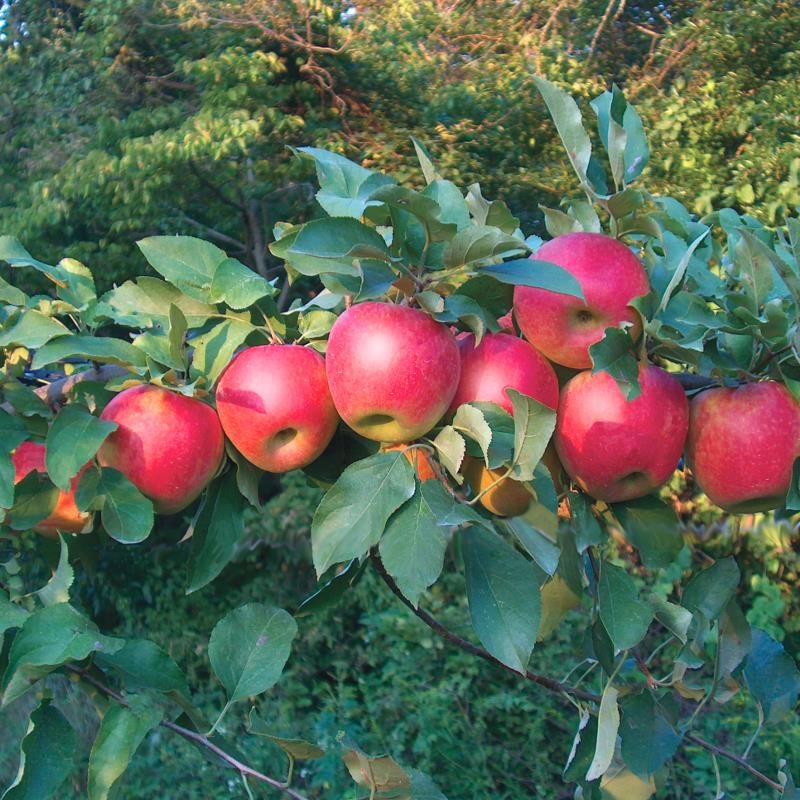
(418, 458)
(617, 449)
(743, 443)
(503, 362)
(65, 517)
(508, 498)
(563, 327)
(275, 407)
(392, 371)
(169, 446)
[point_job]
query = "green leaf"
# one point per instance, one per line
(72, 441)
(298, 749)
(493, 213)
(316, 324)
(147, 302)
(238, 286)
(478, 243)
(558, 223)
(648, 740)
(248, 476)
(186, 262)
(47, 756)
(95, 348)
(712, 589)
(345, 186)
(144, 665)
(448, 197)
(35, 497)
(653, 528)
(79, 290)
(534, 424)
(625, 617)
(588, 532)
(249, 648)
(7, 474)
(334, 245)
(423, 156)
(673, 617)
(614, 354)
(177, 336)
(57, 588)
(353, 514)
(217, 529)
(31, 329)
(127, 515)
(421, 206)
(637, 150)
(680, 268)
(49, 638)
(539, 547)
(569, 124)
(607, 728)
(11, 295)
(503, 595)
(379, 774)
(735, 639)
(332, 592)
(12, 615)
(450, 448)
(413, 546)
(772, 676)
(214, 349)
(536, 274)
(12, 251)
(470, 421)
(610, 107)
(121, 732)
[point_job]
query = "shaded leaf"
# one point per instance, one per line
(624, 615)
(653, 528)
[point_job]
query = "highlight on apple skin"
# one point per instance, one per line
(275, 407)
(168, 445)
(65, 517)
(563, 327)
(503, 362)
(617, 449)
(743, 443)
(392, 371)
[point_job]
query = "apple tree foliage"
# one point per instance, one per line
(666, 639)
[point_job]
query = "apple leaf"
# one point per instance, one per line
(353, 514)
(451, 447)
(614, 354)
(47, 756)
(249, 648)
(534, 424)
(653, 528)
(772, 676)
(503, 596)
(214, 349)
(539, 547)
(379, 774)
(56, 590)
(421, 206)
(31, 329)
(470, 421)
(625, 617)
(72, 441)
(480, 243)
(121, 732)
(48, 638)
(238, 286)
(333, 590)
(127, 515)
(648, 740)
(35, 497)
(144, 665)
(569, 124)
(448, 197)
(216, 530)
(607, 728)
(535, 273)
(298, 749)
(413, 546)
(494, 213)
(185, 261)
(587, 529)
(710, 591)
(103, 349)
(12, 615)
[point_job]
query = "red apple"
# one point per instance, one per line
(616, 449)
(564, 327)
(168, 445)
(65, 517)
(743, 443)
(275, 407)
(392, 371)
(503, 362)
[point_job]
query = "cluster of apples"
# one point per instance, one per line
(392, 373)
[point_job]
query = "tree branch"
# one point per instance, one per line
(542, 680)
(192, 736)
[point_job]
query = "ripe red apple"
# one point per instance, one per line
(65, 517)
(743, 443)
(169, 446)
(616, 449)
(564, 327)
(392, 371)
(503, 362)
(275, 407)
